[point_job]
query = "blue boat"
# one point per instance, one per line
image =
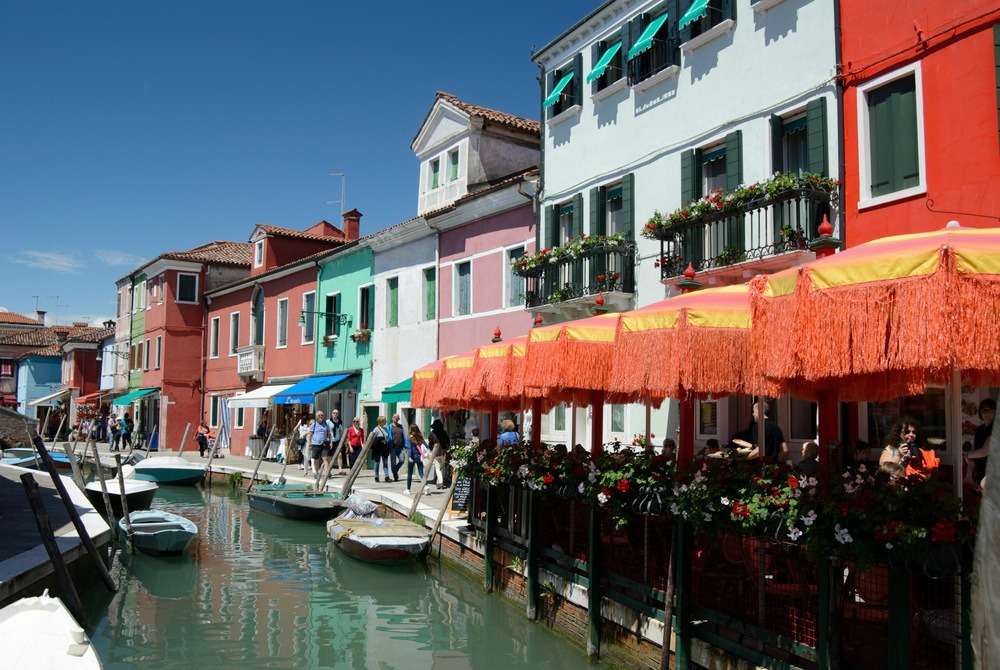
(159, 533)
(174, 470)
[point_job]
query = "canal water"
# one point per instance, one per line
(256, 591)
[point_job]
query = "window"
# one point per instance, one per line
(565, 223)
(145, 358)
(564, 87)
(234, 333)
(453, 165)
(803, 420)
(213, 338)
(187, 287)
(138, 297)
(283, 323)
(213, 418)
(713, 170)
(258, 253)
(650, 48)
(159, 351)
(700, 17)
(6, 367)
(430, 293)
(435, 173)
(366, 307)
(153, 292)
(515, 283)
(392, 295)
(559, 418)
(720, 167)
(613, 211)
(257, 317)
(331, 326)
(794, 149)
(890, 124)
(238, 419)
(138, 355)
(708, 418)
(618, 418)
(606, 58)
(612, 208)
(309, 307)
(159, 297)
(463, 288)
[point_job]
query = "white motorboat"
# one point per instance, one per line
(169, 470)
(40, 632)
(138, 495)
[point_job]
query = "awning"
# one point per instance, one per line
(646, 39)
(697, 10)
(554, 95)
(259, 398)
(90, 397)
(305, 391)
(602, 64)
(399, 392)
(129, 397)
(8, 399)
(47, 399)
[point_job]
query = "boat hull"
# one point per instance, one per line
(159, 533)
(399, 542)
(170, 470)
(298, 505)
(138, 495)
(40, 632)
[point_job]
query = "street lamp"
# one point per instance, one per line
(337, 318)
(112, 350)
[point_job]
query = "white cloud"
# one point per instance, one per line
(119, 258)
(48, 260)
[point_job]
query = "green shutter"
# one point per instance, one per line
(578, 75)
(816, 136)
(892, 125)
(336, 310)
(734, 160)
(777, 144)
(393, 285)
(690, 175)
(430, 285)
(626, 36)
(598, 210)
(550, 82)
(371, 307)
(576, 229)
(628, 206)
(728, 9)
(596, 51)
(552, 225)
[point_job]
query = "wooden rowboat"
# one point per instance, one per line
(295, 501)
(379, 541)
(160, 533)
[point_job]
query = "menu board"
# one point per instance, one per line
(460, 500)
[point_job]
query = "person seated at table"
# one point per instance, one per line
(904, 446)
(809, 465)
(669, 448)
(775, 447)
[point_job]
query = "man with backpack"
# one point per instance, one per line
(127, 427)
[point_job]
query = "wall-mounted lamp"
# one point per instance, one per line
(112, 350)
(338, 318)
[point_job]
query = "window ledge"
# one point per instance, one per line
(662, 75)
(761, 6)
(609, 89)
(565, 114)
(715, 31)
(920, 189)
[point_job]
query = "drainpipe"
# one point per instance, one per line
(204, 359)
(838, 56)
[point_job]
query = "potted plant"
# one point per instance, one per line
(329, 340)
(362, 334)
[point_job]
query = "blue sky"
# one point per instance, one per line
(133, 127)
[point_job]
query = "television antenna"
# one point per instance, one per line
(343, 190)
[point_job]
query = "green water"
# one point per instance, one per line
(256, 591)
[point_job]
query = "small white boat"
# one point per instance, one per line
(159, 533)
(175, 470)
(41, 633)
(138, 494)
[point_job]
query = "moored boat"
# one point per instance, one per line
(379, 541)
(160, 533)
(138, 495)
(175, 470)
(40, 632)
(60, 460)
(295, 501)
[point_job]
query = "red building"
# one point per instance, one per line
(261, 330)
(921, 92)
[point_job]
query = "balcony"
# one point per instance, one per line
(765, 234)
(569, 284)
(250, 362)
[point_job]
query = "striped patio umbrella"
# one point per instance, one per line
(697, 342)
(885, 318)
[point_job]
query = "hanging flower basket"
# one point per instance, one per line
(361, 335)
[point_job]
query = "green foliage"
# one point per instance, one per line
(236, 479)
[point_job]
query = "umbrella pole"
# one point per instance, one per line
(260, 457)
(954, 431)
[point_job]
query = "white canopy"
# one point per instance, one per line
(57, 394)
(258, 397)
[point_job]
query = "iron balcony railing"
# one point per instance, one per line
(755, 230)
(601, 269)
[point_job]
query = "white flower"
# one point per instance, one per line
(674, 509)
(794, 533)
(812, 481)
(532, 485)
(863, 468)
(581, 488)
(592, 477)
(708, 517)
(842, 535)
(810, 518)
(684, 488)
(522, 471)
(601, 498)
(725, 501)
(888, 545)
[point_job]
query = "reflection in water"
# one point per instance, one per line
(258, 590)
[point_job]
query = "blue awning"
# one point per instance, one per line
(646, 39)
(697, 10)
(304, 393)
(556, 90)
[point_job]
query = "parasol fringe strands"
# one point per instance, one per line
(645, 361)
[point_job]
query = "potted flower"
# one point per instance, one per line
(362, 334)
(329, 340)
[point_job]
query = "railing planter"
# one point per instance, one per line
(361, 335)
(555, 276)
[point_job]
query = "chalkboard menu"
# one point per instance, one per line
(460, 501)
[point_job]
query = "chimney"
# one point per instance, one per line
(352, 224)
(40, 316)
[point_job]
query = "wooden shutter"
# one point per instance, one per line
(892, 119)
(685, 32)
(371, 307)
(430, 276)
(550, 82)
(816, 141)
(552, 225)
(690, 175)
(576, 229)
(728, 10)
(777, 144)
(628, 206)
(578, 77)
(596, 51)
(734, 160)
(626, 37)
(598, 210)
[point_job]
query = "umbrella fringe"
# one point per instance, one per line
(645, 362)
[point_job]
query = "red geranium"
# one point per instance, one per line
(548, 479)
(622, 485)
(943, 531)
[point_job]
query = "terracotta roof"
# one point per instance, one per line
(93, 335)
(44, 337)
(288, 232)
(493, 116)
(13, 317)
(219, 252)
(15, 428)
(51, 351)
(257, 277)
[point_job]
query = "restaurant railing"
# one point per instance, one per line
(601, 269)
(757, 229)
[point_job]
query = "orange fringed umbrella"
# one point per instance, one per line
(885, 318)
(697, 342)
(498, 371)
(424, 383)
(566, 361)
(450, 390)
